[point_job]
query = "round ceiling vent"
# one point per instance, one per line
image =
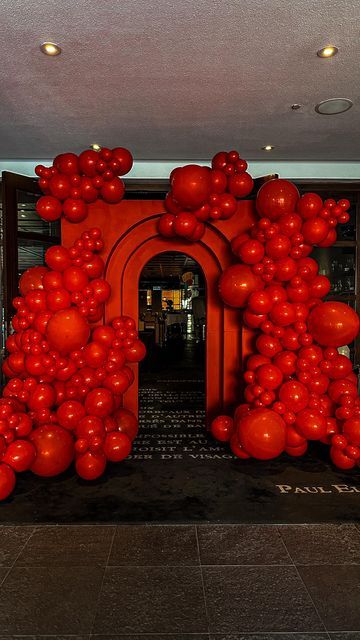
(333, 105)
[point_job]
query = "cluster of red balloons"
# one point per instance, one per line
(298, 386)
(67, 377)
(74, 181)
(199, 194)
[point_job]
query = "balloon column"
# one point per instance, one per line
(66, 374)
(298, 387)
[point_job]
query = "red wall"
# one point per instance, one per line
(130, 235)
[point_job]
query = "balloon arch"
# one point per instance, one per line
(67, 373)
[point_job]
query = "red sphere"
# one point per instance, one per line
(236, 284)
(67, 163)
(117, 446)
(90, 466)
(351, 429)
(75, 279)
(7, 480)
(295, 395)
(262, 433)
(251, 251)
(333, 324)
(20, 455)
(60, 186)
(191, 186)
(32, 279)
(310, 424)
(67, 331)
(275, 198)
(166, 225)
(315, 230)
(241, 185)
(222, 428)
(309, 205)
(75, 210)
(49, 208)
(185, 224)
(99, 402)
(113, 191)
(70, 413)
(54, 450)
(124, 159)
(58, 258)
(126, 422)
(269, 376)
(87, 162)
(136, 352)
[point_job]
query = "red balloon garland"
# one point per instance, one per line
(67, 377)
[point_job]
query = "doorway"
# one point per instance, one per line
(172, 323)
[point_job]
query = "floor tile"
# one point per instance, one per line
(254, 599)
(155, 636)
(151, 600)
(12, 540)
(346, 635)
(154, 545)
(335, 591)
(271, 636)
(322, 543)
(236, 544)
(67, 546)
(49, 601)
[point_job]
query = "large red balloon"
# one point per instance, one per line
(58, 258)
(237, 283)
(49, 208)
(262, 433)
(191, 186)
(276, 198)
(32, 279)
(67, 331)
(7, 481)
(54, 450)
(333, 324)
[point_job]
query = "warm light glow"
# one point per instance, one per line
(50, 49)
(267, 147)
(327, 52)
(95, 146)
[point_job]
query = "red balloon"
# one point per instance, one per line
(67, 331)
(136, 352)
(58, 299)
(87, 162)
(166, 225)
(293, 438)
(90, 426)
(222, 428)
(282, 314)
(260, 302)
(275, 198)
(20, 455)
(117, 446)
(333, 324)
(218, 181)
(269, 376)
(315, 230)
(237, 449)
(329, 239)
(278, 246)
(341, 387)
(94, 267)
(113, 191)
(117, 382)
(289, 224)
(285, 269)
(295, 395)
(124, 159)
(251, 251)
(101, 290)
(340, 459)
(60, 186)
(297, 451)
(126, 422)
(67, 163)
(104, 334)
(75, 210)
(241, 185)
(42, 397)
(99, 402)
(7, 481)
(351, 429)
(185, 224)
(87, 190)
(191, 186)
(95, 354)
(228, 205)
(338, 367)
(311, 424)
(236, 284)
(268, 345)
(54, 450)
(309, 205)
(262, 433)
(286, 362)
(70, 413)
(32, 279)
(52, 280)
(49, 208)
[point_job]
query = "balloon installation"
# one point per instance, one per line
(67, 372)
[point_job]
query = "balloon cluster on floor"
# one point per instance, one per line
(199, 194)
(67, 374)
(298, 386)
(74, 181)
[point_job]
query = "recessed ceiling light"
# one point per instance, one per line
(296, 106)
(333, 105)
(95, 146)
(268, 147)
(50, 48)
(327, 52)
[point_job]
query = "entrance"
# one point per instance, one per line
(172, 323)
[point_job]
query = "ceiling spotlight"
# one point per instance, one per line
(296, 106)
(95, 146)
(50, 48)
(333, 105)
(267, 147)
(327, 52)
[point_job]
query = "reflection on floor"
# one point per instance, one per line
(175, 582)
(178, 474)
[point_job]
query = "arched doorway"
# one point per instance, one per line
(172, 324)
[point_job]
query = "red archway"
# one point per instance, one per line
(131, 240)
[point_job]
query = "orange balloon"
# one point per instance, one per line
(262, 433)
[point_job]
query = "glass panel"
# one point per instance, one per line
(31, 253)
(28, 219)
(338, 264)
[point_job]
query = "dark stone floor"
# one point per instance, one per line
(174, 582)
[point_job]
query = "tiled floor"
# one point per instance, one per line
(211, 582)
